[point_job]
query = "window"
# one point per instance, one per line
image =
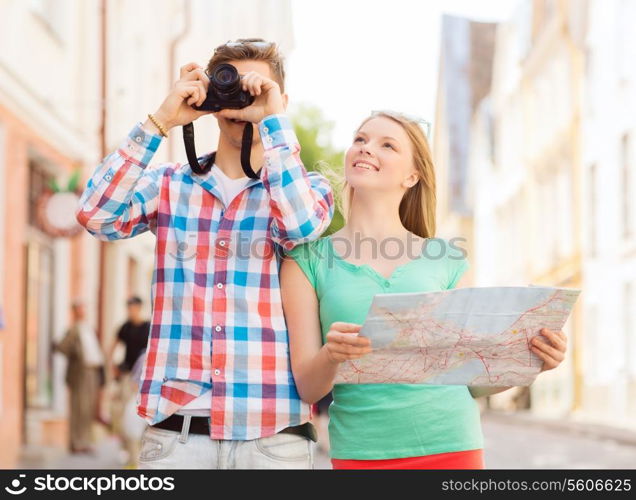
(40, 290)
(627, 196)
(563, 213)
(592, 204)
(131, 287)
(3, 187)
(542, 14)
(591, 353)
(39, 182)
(52, 13)
(629, 328)
(590, 81)
(38, 324)
(625, 39)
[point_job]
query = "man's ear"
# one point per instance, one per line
(285, 101)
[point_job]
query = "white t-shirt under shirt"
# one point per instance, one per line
(229, 189)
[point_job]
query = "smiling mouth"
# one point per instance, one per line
(365, 165)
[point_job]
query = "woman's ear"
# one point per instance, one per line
(411, 180)
(285, 101)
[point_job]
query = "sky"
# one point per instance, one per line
(354, 56)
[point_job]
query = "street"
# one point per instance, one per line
(512, 446)
(509, 444)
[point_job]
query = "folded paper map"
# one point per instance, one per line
(466, 336)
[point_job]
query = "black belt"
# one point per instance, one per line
(201, 425)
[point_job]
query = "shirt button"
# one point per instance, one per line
(269, 139)
(222, 243)
(219, 285)
(108, 177)
(138, 139)
(217, 372)
(265, 129)
(218, 328)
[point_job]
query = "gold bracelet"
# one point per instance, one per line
(156, 123)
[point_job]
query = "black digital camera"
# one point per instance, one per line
(224, 91)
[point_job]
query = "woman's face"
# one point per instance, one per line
(381, 157)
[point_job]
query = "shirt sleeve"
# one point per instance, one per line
(457, 265)
(301, 202)
(121, 197)
(303, 255)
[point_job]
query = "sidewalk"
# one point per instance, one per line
(548, 443)
(567, 424)
(106, 456)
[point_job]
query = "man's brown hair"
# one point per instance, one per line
(255, 49)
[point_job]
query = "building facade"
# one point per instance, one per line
(551, 192)
(464, 78)
(608, 187)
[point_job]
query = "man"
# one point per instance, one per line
(133, 334)
(84, 377)
(217, 388)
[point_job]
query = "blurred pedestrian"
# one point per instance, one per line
(84, 377)
(133, 335)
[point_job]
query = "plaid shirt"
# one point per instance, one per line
(217, 321)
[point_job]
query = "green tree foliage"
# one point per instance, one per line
(314, 134)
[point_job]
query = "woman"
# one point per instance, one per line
(389, 205)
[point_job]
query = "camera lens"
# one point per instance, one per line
(226, 79)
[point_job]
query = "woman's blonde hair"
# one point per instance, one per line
(417, 208)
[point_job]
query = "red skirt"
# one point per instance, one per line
(471, 459)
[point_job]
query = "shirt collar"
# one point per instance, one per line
(207, 181)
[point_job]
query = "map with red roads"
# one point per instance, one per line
(467, 336)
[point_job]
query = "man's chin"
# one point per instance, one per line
(237, 141)
(234, 133)
(240, 123)
(233, 124)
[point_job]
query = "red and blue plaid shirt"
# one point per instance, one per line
(217, 320)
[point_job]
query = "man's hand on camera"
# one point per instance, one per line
(269, 100)
(191, 89)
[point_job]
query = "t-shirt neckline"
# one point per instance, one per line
(366, 267)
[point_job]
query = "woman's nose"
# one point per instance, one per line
(365, 149)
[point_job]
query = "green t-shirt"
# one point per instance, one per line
(382, 421)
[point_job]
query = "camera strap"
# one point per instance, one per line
(246, 150)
